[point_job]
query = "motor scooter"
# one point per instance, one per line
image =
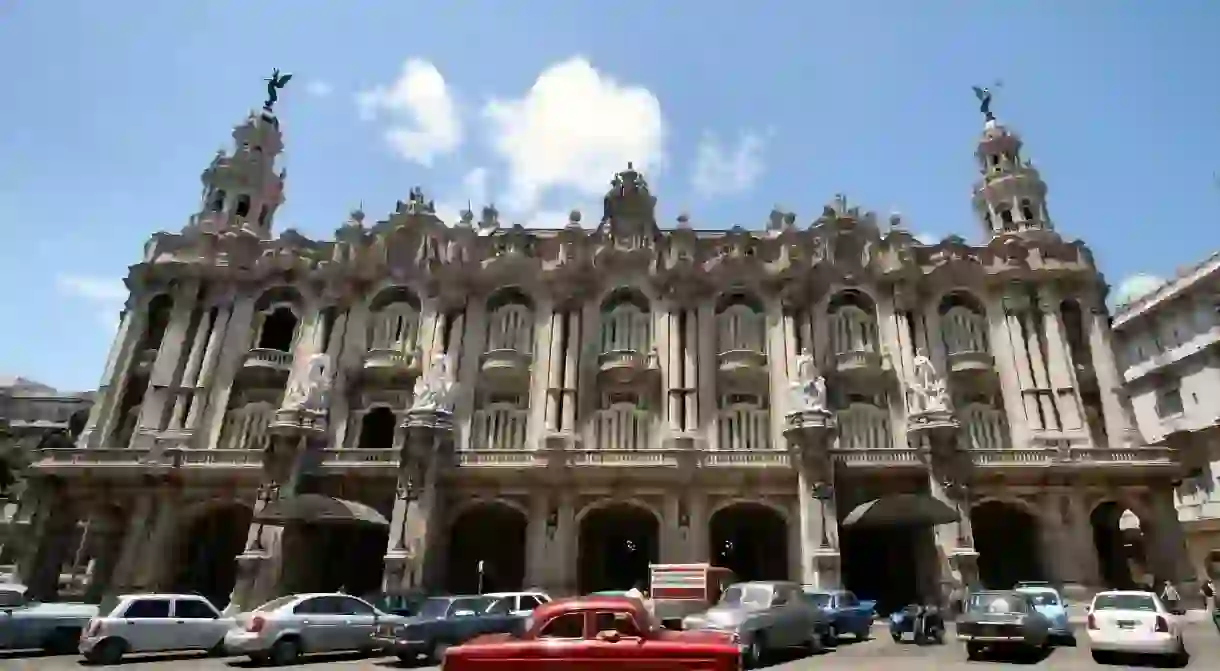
(920, 624)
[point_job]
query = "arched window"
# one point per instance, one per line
(159, 310)
(243, 206)
(394, 324)
(510, 325)
(740, 324)
(377, 429)
(218, 201)
(853, 328)
(626, 322)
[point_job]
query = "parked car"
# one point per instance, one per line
(154, 623)
(1050, 603)
(846, 613)
(522, 603)
(924, 622)
(994, 620)
(282, 630)
(1134, 622)
(446, 621)
(765, 616)
(405, 604)
(53, 627)
(597, 632)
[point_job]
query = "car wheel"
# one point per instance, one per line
(974, 651)
(1101, 656)
(61, 641)
(832, 632)
(865, 632)
(109, 651)
(754, 652)
(1180, 658)
(285, 651)
(896, 636)
(437, 655)
(217, 650)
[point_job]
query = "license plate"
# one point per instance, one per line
(1126, 624)
(908, 636)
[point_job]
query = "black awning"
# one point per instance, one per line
(319, 509)
(901, 510)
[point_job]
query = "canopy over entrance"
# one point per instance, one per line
(901, 510)
(319, 509)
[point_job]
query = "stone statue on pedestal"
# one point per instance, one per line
(927, 392)
(435, 390)
(807, 393)
(310, 391)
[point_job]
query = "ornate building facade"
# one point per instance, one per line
(832, 402)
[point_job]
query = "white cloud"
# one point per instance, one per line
(573, 130)
(423, 121)
(106, 296)
(318, 88)
(721, 170)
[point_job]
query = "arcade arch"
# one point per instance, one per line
(492, 532)
(618, 541)
(1007, 540)
(207, 547)
(1120, 543)
(751, 540)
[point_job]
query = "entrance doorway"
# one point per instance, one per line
(1119, 540)
(617, 543)
(1007, 540)
(207, 552)
(346, 557)
(751, 540)
(493, 534)
(885, 563)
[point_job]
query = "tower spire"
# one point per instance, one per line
(1010, 197)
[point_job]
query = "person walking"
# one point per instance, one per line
(1169, 594)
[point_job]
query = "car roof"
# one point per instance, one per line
(587, 603)
(162, 596)
(1125, 592)
(1035, 588)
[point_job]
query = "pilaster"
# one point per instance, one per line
(540, 370)
(473, 339)
(161, 383)
(1060, 369)
(707, 373)
(809, 433)
(671, 550)
(114, 376)
(238, 335)
(539, 526)
(354, 339)
(207, 371)
(1109, 383)
(412, 559)
(1007, 367)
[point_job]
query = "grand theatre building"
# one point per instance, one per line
(443, 405)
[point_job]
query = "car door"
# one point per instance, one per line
(561, 644)
(11, 602)
(792, 622)
(360, 620)
(197, 623)
(849, 612)
(616, 641)
(319, 620)
(147, 626)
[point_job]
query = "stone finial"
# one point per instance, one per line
(684, 220)
(775, 220)
(574, 219)
(491, 217)
(466, 217)
(357, 215)
(895, 220)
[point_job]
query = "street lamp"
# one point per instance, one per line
(266, 494)
(959, 492)
(823, 492)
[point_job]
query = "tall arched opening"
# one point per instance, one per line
(1007, 540)
(617, 543)
(751, 540)
(208, 546)
(491, 534)
(1120, 546)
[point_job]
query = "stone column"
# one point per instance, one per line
(565, 551)
(540, 374)
(574, 359)
(671, 549)
(1166, 544)
(114, 376)
(236, 345)
(777, 368)
(541, 525)
(1006, 366)
(706, 361)
(554, 371)
(1060, 369)
(473, 338)
(1109, 382)
(691, 385)
(1052, 535)
(809, 433)
(134, 544)
(697, 550)
(412, 559)
(937, 432)
(163, 380)
(48, 519)
(353, 347)
(140, 565)
(1079, 556)
(207, 369)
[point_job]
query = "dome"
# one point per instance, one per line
(1136, 287)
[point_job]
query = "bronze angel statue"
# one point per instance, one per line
(984, 96)
(274, 83)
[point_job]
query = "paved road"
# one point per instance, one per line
(878, 653)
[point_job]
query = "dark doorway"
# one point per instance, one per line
(334, 557)
(207, 558)
(1120, 552)
(884, 563)
(1006, 538)
(491, 533)
(751, 540)
(617, 543)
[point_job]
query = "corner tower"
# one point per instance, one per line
(1011, 196)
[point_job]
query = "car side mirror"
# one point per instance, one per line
(609, 636)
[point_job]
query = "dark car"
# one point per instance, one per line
(994, 620)
(406, 604)
(445, 621)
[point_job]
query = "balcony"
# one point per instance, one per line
(622, 427)
(391, 364)
(499, 428)
(269, 367)
(510, 346)
(855, 344)
(965, 338)
(626, 345)
(866, 440)
(744, 429)
(741, 341)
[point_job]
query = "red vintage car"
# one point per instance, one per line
(589, 632)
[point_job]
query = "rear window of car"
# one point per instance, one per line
(819, 599)
(275, 604)
(1042, 597)
(1143, 602)
(996, 603)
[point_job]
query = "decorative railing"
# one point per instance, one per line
(852, 331)
(395, 329)
(511, 327)
(499, 428)
(269, 357)
(245, 428)
(864, 427)
(744, 428)
(626, 328)
(740, 328)
(984, 428)
(622, 427)
(356, 457)
(964, 331)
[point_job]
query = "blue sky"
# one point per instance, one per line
(114, 108)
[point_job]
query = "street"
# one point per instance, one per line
(878, 653)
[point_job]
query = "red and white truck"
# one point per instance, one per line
(678, 590)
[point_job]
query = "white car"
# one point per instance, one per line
(522, 603)
(1134, 622)
(283, 629)
(154, 623)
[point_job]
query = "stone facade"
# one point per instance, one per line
(617, 370)
(1169, 344)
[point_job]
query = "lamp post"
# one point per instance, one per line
(959, 492)
(406, 493)
(823, 492)
(266, 494)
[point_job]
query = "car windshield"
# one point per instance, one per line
(473, 604)
(1143, 602)
(753, 596)
(435, 608)
(819, 599)
(1042, 597)
(995, 604)
(275, 604)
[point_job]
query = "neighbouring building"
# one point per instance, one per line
(443, 405)
(1168, 341)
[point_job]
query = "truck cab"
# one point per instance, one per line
(678, 590)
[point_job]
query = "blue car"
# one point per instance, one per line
(1050, 604)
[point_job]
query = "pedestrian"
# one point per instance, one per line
(1169, 594)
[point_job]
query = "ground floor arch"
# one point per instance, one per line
(208, 545)
(616, 544)
(1120, 544)
(346, 556)
(750, 539)
(1006, 536)
(492, 535)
